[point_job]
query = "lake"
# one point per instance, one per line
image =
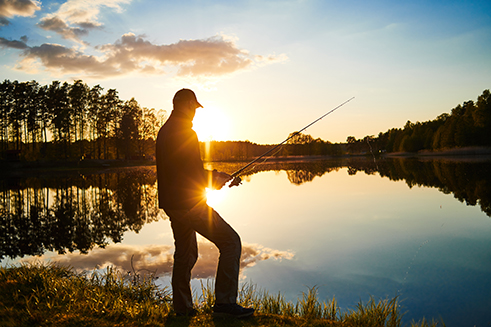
(352, 228)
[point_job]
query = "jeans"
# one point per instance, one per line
(207, 222)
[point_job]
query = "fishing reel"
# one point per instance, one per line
(235, 182)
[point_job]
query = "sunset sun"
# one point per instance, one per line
(211, 124)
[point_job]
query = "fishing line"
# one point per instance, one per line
(406, 275)
(373, 155)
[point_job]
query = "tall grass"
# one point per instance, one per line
(35, 295)
(57, 296)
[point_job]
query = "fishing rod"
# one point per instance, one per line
(236, 179)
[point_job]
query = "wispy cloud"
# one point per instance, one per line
(11, 8)
(212, 57)
(158, 258)
(76, 18)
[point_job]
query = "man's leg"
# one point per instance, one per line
(185, 256)
(208, 223)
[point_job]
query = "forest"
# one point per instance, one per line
(73, 122)
(468, 124)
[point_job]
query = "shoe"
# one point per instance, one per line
(188, 313)
(232, 310)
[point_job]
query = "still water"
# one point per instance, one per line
(420, 230)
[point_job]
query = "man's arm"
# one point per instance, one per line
(217, 179)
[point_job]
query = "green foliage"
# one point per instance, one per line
(54, 295)
(49, 295)
(468, 124)
(381, 313)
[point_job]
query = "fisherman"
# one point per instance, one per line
(181, 187)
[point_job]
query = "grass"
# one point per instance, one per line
(51, 295)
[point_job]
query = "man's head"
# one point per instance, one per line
(185, 99)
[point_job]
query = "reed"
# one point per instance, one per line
(57, 296)
(35, 294)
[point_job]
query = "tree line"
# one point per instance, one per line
(468, 124)
(68, 121)
(75, 122)
(298, 145)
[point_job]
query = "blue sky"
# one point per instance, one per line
(262, 69)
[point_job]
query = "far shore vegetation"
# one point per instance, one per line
(51, 295)
(75, 123)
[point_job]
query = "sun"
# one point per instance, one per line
(211, 124)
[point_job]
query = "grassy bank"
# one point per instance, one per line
(34, 295)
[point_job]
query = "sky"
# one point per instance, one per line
(261, 69)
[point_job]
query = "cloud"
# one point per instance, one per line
(4, 43)
(74, 19)
(11, 8)
(25, 8)
(212, 57)
(57, 25)
(63, 60)
(4, 21)
(158, 259)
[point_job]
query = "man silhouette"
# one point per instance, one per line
(181, 184)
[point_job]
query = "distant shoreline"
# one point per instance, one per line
(98, 165)
(456, 154)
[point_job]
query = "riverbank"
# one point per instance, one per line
(57, 296)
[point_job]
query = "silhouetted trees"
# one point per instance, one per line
(73, 121)
(468, 124)
(305, 145)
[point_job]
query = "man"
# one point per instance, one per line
(181, 183)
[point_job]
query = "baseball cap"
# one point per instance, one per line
(185, 95)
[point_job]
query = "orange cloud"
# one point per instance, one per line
(212, 57)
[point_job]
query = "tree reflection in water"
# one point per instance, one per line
(469, 181)
(74, 212)
(79, 212)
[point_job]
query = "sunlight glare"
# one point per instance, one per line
(214, 197)
(211, 124)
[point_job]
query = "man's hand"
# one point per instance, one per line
(219, 179)
(235, 182)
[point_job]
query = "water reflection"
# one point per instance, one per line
(157, 259)
(80, 212)
(468, 181)
(68, 213)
